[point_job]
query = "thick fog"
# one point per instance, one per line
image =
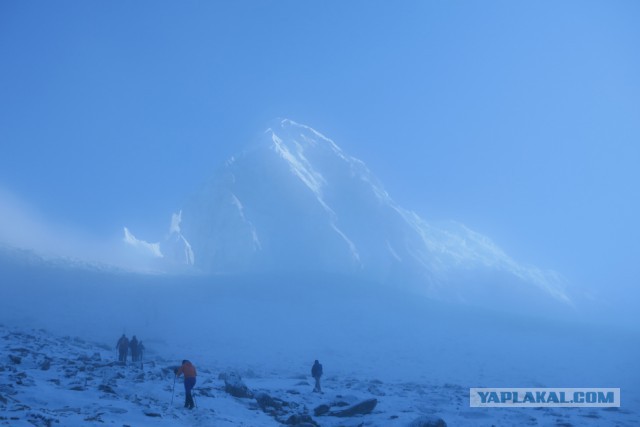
(417, 190)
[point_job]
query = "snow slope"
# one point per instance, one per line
(48, 379)
(293, 202)
(417, 357)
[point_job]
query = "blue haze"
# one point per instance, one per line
(519, 120)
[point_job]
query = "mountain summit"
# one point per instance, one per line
(295, 202)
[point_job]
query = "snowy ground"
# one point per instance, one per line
(60, 380)
(416, 357)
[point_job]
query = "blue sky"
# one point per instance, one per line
(519, 119)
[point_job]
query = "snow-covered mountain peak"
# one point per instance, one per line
(294, 201)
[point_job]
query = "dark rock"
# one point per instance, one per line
(41, 420)
(106, 389)
(152, 414)
(301, 420)
(77, 388)
(16, 360)
(45, 365)
(426, 421)
(321, 410)
(265, 401)
(235, 387)
(95, 418)
(362, 408)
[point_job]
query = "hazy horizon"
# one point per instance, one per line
(517, 120)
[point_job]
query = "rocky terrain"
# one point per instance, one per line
(48, 380)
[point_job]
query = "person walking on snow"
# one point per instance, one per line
(133, 344)
(189, 372)
(123, 347)
(316, 372)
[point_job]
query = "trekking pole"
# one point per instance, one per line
(173, 389)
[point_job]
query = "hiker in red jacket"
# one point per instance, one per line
(189, 372)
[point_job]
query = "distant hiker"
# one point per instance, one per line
(316, 372)
(134, 349)
(140, 350)
(123, 347)
(189, 372)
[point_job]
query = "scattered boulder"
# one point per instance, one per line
(362, 408)
(152, 414)
(46, 364)
(426, 421)
(321, 410)
(16, 360)
(266, 402)
(301, 420)
(106, 389)
(234, 385)
(95, 418)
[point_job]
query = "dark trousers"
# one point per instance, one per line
(123, 355)
(189, 383)
(317, 387)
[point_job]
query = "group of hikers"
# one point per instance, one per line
(124, 345)
(188, 369)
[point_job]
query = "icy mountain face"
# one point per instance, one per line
(295, 202)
